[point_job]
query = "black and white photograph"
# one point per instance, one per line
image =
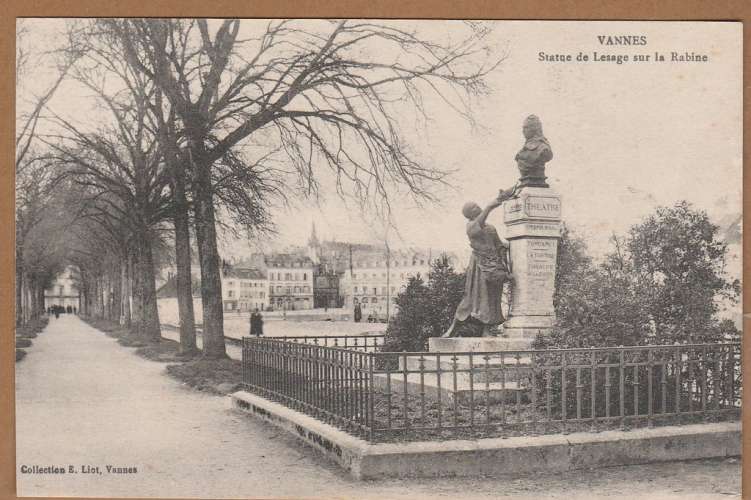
(378, 258)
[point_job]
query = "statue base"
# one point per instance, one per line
(478, 344)
(525, 329)
(459, 377)
(533, 227)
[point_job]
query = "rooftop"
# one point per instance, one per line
(245, 273)
(288, 260)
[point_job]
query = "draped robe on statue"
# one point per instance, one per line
(487, 271)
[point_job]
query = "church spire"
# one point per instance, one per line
(313, 242)
(314, 246)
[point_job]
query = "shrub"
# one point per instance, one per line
(425, 309)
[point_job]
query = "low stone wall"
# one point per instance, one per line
(498, 456)
(342, 448)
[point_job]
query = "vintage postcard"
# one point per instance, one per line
(364, 258)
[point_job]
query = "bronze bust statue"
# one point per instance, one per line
(533, 155)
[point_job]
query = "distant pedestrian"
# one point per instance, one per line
(256, 323)
(74, 310)
(358, 313)
(57, 312)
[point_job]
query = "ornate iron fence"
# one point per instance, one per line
(333, 384)
(367, 343)
(384, 396)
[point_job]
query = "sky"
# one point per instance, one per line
(625, 137)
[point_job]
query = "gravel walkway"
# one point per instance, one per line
(82, 399)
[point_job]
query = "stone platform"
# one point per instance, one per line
(492, 369)
(444, 390)
(479, 344)
(500, 377)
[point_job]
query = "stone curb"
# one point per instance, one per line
(499, 456)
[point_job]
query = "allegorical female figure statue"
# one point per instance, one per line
(533, 156)
(487, 271)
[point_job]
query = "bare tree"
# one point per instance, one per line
(329, 93)
(121, 166)
(31, 191)
(41, 219)
(168, 134)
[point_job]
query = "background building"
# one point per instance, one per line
(244, 289)
(63, 292)
(321, 274)
(376, 278)
(326, 289)
(290, 278)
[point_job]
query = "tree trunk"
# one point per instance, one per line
(211, 284)
(117, 290)
(82, 292)
(182, 258)
(86, 292)
(90, 295)
(19, 288)
(137, 293)
(125, 315)
(112, 306)
(100, 297)
(19, 282)
(26, 302)
(40, 298)
(33, 301)
(94, 298)
(104, 297)
(150, 330)
(38, 305)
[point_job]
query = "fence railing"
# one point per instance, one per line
(367, 343)
(384, 396)
(330, 383)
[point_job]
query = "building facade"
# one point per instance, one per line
(326, 291)
(63, 292)
(324, 274)
(244, 289)
(290, 279)
(376, 278)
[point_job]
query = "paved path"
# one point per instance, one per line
(82, 399)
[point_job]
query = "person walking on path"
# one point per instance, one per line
(256, 323)
(358, 312)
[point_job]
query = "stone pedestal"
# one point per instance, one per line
(447, 376)
(533, 227)
(475, 344)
